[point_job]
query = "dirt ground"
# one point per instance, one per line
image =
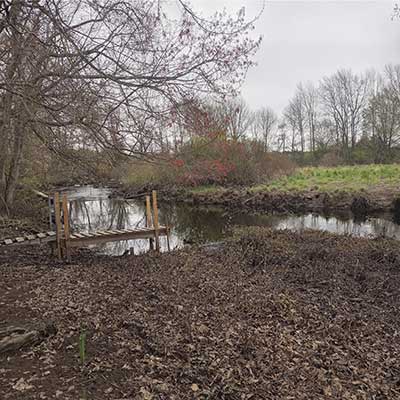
(271, 315)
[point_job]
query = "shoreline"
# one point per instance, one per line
(376, 200)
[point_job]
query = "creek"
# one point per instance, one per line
(94, 209)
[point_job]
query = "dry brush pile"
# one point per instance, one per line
(272, 315)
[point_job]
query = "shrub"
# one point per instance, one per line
(331, 159)
(223, 162)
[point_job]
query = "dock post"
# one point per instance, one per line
(51, 209)
(155, 220)
(148, 220)
(168, 244)
(57, 212)
(66, 227)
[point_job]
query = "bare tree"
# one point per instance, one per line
(392, 77)
(281, 139)
(345, 96)
(310, 99)
(67, 68)
(238, 118)
(382, 119)
(295, 115)
(265, 123)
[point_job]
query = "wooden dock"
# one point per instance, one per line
(62, 239)
(84, 239)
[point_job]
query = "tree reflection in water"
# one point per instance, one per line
(91, 209)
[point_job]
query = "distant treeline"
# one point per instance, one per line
(351, 117)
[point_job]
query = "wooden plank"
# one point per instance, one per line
(119, 231)
(57, 212)
(51, 233)
(30, 237)
(41, 235)
(78, 235)
(41, 194)
(20, 239)
(115, 238)
(155, 220)
(87, 234)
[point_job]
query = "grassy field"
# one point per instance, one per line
(349, 178)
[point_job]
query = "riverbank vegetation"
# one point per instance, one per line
(348, 178)
(87, 77)
(193, 135)
(271, 314)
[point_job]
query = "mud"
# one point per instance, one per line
(294, 202)
(268, 315)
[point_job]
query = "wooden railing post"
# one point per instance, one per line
(66, 227)
(168, 244)
(148, 219)
(57, 214)
(155, 220)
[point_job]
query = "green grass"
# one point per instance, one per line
(351, 178)
(206, 189)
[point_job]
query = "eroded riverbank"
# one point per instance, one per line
(378, 199)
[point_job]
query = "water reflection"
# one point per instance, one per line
(91, 209)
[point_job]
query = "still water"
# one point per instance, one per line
(91, 209)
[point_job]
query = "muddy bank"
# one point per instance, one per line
(377, 200)
(270, 315)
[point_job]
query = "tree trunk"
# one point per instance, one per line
(15, 165)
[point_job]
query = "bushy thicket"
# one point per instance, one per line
(215, 162)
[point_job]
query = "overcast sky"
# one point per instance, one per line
(306, 40)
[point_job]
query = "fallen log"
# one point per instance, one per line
(13, 338)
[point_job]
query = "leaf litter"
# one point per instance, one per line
(271, 315)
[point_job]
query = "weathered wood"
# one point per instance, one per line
(119, 231)
(13, 338)
(86, 234)
(95, 239)
(63, 239)
(148, 220)
(168, 243)
(57, 212)
(155, 220)
(66, 226)
(40, 194)
(102, 232)
(78, 235)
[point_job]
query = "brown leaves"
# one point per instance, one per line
(296, 324)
